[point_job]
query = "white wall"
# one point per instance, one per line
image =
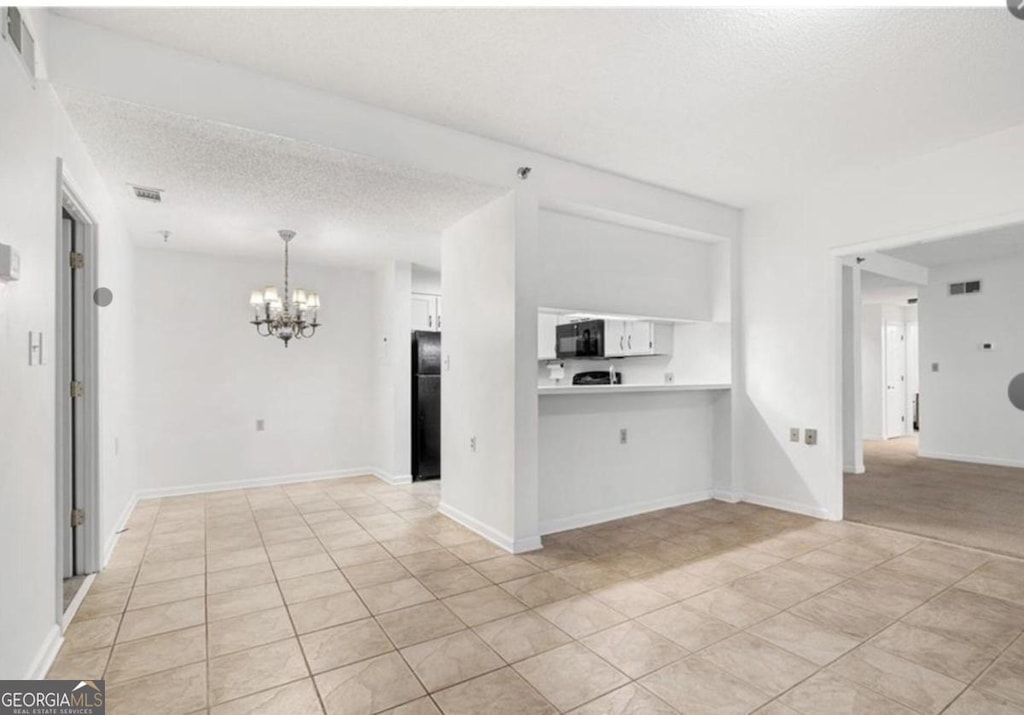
(34, 132)
(392, 368)
(206, 376)
(587, 476)
(478, 383)
(789, 369)
(426, 280)
(965, 411)
(598, 266)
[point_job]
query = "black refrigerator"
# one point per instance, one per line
(426, 405)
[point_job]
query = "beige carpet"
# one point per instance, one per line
(970, 504)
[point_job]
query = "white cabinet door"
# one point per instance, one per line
(424, 311)
(639, 337)
(546, 335)
(615, 338)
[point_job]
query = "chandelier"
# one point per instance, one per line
(285, 317)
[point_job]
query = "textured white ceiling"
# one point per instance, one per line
(228, 189)
(734, 104)
(991, 245)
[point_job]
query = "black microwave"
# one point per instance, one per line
(584, 339)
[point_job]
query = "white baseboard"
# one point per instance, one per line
(786, 505)
(46, 653)
(392, 479)
(850, 469)
(187, 489)
(971, 459)
(491, 534)
(76, 602)
(621, 512)
(119, 525)
(726, 496)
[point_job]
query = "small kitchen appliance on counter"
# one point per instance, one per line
(596, 377)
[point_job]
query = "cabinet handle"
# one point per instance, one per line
(430, 321)
(629, 342)
(620, 343)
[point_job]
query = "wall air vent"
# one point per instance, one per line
(965, 288)
(14, 29)
(911, 301)
(147, 194)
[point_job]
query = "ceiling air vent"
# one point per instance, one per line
(147, 194)
(14, 28)
(965, 288)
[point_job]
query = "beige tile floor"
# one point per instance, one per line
(352, 596)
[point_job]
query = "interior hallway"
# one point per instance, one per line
(352, 596)
(970, 504)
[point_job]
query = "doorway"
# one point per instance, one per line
(895, 380)
(77, 512)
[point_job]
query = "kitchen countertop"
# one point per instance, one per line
(609, 389)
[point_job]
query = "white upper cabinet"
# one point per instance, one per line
(426, 311)
(616, 335)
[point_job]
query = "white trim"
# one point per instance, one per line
(119, 526)
(851, 469)
(473, 524)
(726, 496)
(393, 479)
(620, 512)
(971, 459)
(68, 196)
(46, 654)
(186, 489)
(76, 602)
(785, 505)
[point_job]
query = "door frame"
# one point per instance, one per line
(68, 198)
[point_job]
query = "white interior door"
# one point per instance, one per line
(913, 372)
(895, 380)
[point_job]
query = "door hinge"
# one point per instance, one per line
(77, 388)
(76, 260)
(77, 517)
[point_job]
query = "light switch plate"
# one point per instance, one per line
(794, 434)
(810, 436)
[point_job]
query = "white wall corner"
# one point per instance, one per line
(392, 479)
(475, 525)
(818, 512)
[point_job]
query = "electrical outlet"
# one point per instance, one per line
(260, 426)
(472, 444)
(935, 367)
(670, 378)
(623, 436)
(794, 434)
(811, 436)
